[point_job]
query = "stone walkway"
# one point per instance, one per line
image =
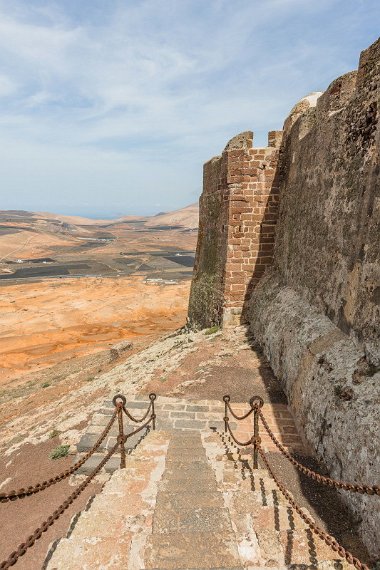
(189, 499)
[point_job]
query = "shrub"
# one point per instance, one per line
(45, 385)
(60, 451)
(212, 330)
(53, 433)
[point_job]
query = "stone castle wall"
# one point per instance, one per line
(316, 311)
(238, 214)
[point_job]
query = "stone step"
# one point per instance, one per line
(112, 464)
(181, 485)
(111, 533)
(88, 440)
(178, 551)
(190, 471)
(191, 519)
(189, 498)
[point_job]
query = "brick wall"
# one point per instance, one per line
(238, 214)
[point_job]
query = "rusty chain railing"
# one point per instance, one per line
(326, 537)
(355, 488)
(256, 404)
(119, 402)
(32, 489)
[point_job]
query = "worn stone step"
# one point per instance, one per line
(189, 498)
(185, 438)
(189, 471)
(186, 449)
(188, 485)
(191, 519)
(178, 462)
(175, 456)
(112, 464)
(179, 551)
(88, 440)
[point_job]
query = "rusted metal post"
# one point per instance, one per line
(226, 399)
(152, 397)
(256, 402)
(119, 402)
(121, 434)
(255, 439)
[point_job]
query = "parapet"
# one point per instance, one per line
(241, 141)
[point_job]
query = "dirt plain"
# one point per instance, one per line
(71, 288)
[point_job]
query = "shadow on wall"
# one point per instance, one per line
(323, 503)
(267, 234)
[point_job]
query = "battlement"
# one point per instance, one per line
(238, 215)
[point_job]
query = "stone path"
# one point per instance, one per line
(188, 499)
(191, 525)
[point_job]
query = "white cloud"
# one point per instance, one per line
(95, 87)
(7, 86)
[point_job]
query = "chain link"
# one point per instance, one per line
(228, 405)
(152, 397)
(327, 538)
(251, 440)
(23, 547)
(32, 489)
(363, 489)
(136, 420)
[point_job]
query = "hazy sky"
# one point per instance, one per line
(111, 107)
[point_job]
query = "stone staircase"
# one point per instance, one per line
(188, 499)
(172, 414)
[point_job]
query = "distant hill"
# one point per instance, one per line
(186, 217)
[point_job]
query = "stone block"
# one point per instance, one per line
(189, 424)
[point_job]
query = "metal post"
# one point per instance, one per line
(255, 438)
(256, 402)
(226, 399)
(119, 402)
(121, 434)
(152, 397)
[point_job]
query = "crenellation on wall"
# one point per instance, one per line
(248, 192)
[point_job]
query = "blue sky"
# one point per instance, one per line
(110, 107)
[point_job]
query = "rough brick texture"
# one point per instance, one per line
(238, 215)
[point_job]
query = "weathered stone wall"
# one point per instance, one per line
(317, 311)
(238, 214)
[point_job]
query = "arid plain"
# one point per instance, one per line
(72, 288)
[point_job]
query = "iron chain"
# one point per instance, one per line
(32, 489)
(327, 538)
(363, 489)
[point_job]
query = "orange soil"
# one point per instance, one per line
(51, 321)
